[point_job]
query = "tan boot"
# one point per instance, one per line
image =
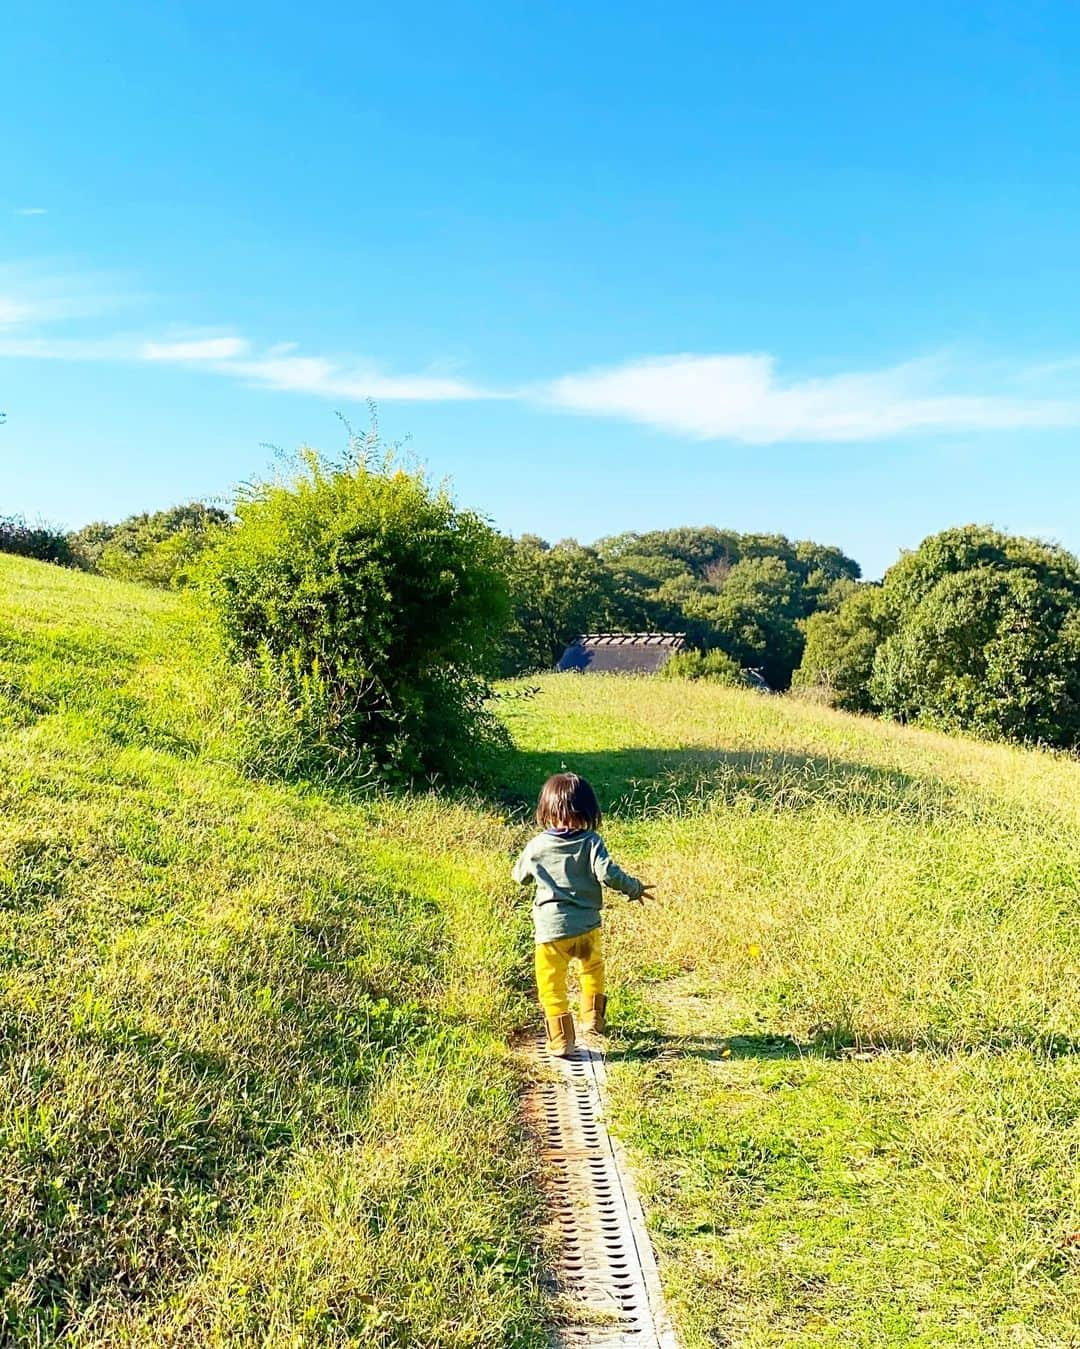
(593, 1010)
(560, 1032)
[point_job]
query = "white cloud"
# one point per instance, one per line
(29, 308)
(31, 210)
(734, 396)
(68, 348)
(330, 379)
(195, 349)
(32, 294)
(14, 311)
(740, 397)
(281, 367)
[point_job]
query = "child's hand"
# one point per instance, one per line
(646, 892)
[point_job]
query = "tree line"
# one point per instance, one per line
(358, 561)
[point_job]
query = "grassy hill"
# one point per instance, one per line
(253, 1079)
(253, 1087)
(849, 1067)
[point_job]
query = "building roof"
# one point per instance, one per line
(621, 652)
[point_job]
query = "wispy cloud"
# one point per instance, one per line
(16, 345)
(199, 350)
(31, 210)
(283, 367)
(33, 295)
(13, 311)
(741, 397)
(331, 379)
(34, 303)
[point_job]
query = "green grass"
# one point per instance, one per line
(848, 1065)
(254, 1084)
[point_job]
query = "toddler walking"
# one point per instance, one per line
(570, 866)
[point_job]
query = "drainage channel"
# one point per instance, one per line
(606, 1270)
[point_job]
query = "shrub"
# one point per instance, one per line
(839, 655)
(367, 612)
(159, 548)
(716, 666)
(993, 649)
(41, 541)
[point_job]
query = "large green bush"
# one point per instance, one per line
(840, 647)
(985, 637)
(715, 666)
(367, 612)
(159, 548)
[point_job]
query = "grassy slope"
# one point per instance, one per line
(246, 1091)
(252, 1087)
(849, 1063)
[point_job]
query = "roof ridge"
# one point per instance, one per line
(629, 639)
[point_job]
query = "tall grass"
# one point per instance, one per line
(253, 1084)
(850, 1057)
(253, 1080)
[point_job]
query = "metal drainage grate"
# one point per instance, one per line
(606, 1265)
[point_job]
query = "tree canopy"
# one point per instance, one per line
(973, 630)
(745, 595)
(157, 548)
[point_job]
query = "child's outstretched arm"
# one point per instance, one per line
(522, 872)
(609, 873)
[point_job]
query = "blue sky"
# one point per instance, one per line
(620, 266)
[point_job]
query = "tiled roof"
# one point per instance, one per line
(621, 652)
(674, 640)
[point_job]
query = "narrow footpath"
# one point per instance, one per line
(605, 1275)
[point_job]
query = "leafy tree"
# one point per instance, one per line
(754, 617)
(974, 630)
(986, 638)
(745, 593)
(697, 548)
(87, 544)
(156, 549)
(41, 541)
(556, 593)
(636, 576)
(840, 646)
(822, 569)
(836, 593)
(367, 611)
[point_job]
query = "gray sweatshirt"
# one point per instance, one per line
(570, 867)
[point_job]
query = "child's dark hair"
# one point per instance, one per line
(567, 802)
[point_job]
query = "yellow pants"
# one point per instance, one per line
(553, 961)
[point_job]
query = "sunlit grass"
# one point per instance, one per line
(253, 1080)
(848, 1060)
(254, 1087)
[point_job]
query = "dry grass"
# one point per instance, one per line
(252, 1038)
(253, 1079)
(848, 1065)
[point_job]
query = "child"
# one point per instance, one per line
(570, 864)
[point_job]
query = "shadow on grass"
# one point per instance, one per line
(640, 783)
(649, 1046)
(655, 1046)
